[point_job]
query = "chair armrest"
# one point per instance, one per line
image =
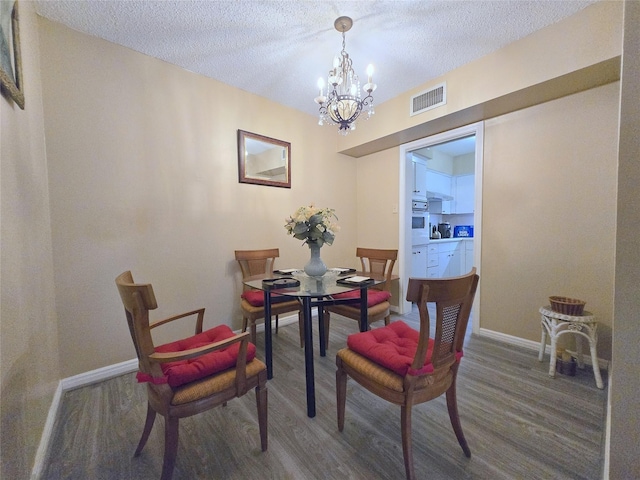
(199, 320)
(164, 357)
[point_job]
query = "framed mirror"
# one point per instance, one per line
(263, 160)
(10, 57)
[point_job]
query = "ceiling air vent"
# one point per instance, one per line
(429, 99)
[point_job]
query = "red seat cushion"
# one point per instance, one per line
(392, 347)
(256, 297)
(185, 371)
(374, 297)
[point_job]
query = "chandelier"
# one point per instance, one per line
(343, 103)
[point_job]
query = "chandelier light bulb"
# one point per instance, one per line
(370, 73)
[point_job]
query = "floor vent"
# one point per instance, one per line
(429, 99)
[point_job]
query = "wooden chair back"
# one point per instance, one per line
(378, 261)
(261, 262)
(257, 262)
(453, 298)
(138, 300)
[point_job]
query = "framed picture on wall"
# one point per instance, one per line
(10, 58)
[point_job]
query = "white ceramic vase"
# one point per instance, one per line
(315, 267)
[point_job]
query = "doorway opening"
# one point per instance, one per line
(445, 171)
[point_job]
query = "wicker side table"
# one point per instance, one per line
(555, 324)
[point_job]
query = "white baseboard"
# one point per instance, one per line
(533, 345)
(99, 374)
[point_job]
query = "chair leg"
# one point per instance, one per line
(245, 323)
(407, 448)
(341, 393)
(276, 324)
(452, 406)
(252, 328)
(148, 425)
(301, 328)
(387, 320)
(326, 317)
(170, 447)
(261, 401)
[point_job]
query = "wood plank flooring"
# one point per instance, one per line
(520, 424)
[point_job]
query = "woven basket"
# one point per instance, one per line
(567, 306)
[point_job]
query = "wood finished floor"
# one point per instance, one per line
(520, 424)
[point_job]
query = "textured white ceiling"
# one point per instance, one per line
(279, 49)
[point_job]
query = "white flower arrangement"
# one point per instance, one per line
(314, 225)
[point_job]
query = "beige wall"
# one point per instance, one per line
(141, 160)
(378, 226)
(28, 328)
(548, 210)
(623, 426)
(549, 203)
(143, 176)
(539, 67)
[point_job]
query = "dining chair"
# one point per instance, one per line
(190, 375)
(405, 366)
(261, 262)
(374, 261)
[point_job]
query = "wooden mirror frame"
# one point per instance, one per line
(263, 160)
(11, 81)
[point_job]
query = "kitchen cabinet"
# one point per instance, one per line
(468, 256)
(459, 187)
(449, 256)
(464, 193)
(438, 182)
(419, 262)
(445, 259)
(419, 180)
(433, 270)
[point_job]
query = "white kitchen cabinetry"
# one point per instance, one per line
(419, 180)
(468, 256)
(450, 254)
(419, 262)
(464, 188)
(445, 259)
(460, 187)
(438, 182)
(433, 270)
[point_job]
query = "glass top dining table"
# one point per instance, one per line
(312, 292)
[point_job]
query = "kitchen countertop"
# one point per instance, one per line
(443, 240)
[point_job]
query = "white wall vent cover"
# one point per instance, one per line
(429, 99)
